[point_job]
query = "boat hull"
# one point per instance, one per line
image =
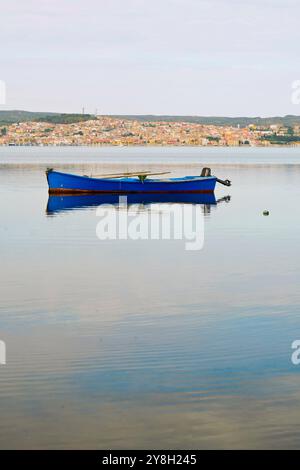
(64, 183)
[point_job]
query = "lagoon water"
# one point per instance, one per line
(143, 344)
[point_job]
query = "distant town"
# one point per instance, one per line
(60, 130)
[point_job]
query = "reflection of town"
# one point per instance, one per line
(115, 131)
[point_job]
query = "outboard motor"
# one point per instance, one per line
(206, 172)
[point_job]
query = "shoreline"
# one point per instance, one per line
(150, 146)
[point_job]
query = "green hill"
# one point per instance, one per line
(10, 117)
(288, 120)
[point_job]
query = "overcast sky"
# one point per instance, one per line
(214, 57)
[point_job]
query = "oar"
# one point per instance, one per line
(111, 175)
(142, 174)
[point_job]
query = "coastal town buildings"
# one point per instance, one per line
(106, 130)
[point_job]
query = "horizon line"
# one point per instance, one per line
(153, 114)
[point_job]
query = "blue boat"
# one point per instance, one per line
(131, 183)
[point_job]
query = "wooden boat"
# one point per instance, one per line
(131, 183)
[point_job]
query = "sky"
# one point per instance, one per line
(181, 57)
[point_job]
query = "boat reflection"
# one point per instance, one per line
(61, 204)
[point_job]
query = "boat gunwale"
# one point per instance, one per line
(184, 179)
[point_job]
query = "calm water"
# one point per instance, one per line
(142, 344)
